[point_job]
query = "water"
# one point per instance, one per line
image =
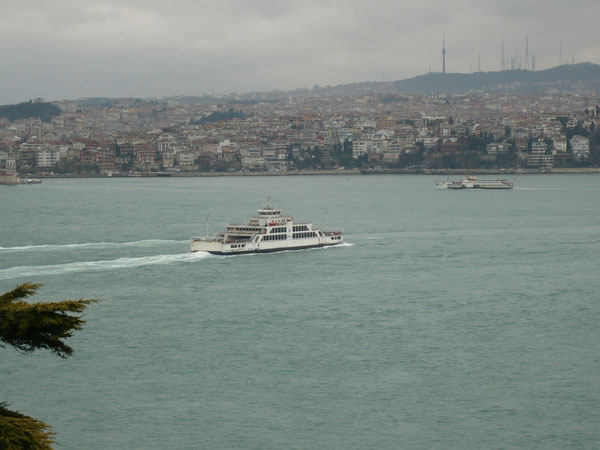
(447, 320)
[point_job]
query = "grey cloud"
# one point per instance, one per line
(68, 48)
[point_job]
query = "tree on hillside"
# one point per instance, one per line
(28, 327)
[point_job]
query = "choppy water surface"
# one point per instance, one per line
(447, 320)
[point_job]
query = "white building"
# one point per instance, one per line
(46, 157)
(580, 146)
(186, 158)
(538, 157)
(538, 147)
(365, 122)
(360, 147)
(494, 148)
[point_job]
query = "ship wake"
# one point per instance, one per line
(99, 266)
(91, 245)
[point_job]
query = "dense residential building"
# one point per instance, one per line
(266, 133)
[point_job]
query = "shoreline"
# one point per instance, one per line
(442, 172)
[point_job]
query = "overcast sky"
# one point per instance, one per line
(67, 49)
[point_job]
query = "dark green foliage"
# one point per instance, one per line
(18, 431)
(32, 326)
(595, 148)
(43, 111)
(217, 116)
(28, 327)
(412, 159)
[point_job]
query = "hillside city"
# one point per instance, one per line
(285, 134)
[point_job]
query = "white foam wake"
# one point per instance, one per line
(91, 245)
(98, 266)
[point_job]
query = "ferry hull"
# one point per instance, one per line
(234, 248)
(266, 250)
(471, 182)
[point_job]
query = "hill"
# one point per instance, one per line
(584, 77)
(43, 111)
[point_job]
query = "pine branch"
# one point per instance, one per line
(22, 291)
(18, 431)
(42, 325)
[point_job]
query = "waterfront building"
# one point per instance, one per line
(497, 147)
(360, 148)
(538, 157)
(580, 146)
(47, 157)
(559, 144)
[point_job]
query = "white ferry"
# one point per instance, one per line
(471, 182)
(267, 231)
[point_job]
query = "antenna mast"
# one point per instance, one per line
(527, 67)
(443, 52)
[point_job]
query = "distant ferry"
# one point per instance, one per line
(471, 182)
(267, 231)
(29, 181)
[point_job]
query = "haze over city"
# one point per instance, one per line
(73, 49)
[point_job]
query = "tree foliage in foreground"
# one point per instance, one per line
(21, 432)
(28, 327)
(32, 326)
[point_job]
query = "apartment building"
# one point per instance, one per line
(580, 146)
(47, 157)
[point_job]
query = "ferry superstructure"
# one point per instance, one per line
(471, 182)
(268, 231)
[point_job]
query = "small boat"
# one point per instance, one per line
(267, 231)
(471, 182)
(29, 181)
